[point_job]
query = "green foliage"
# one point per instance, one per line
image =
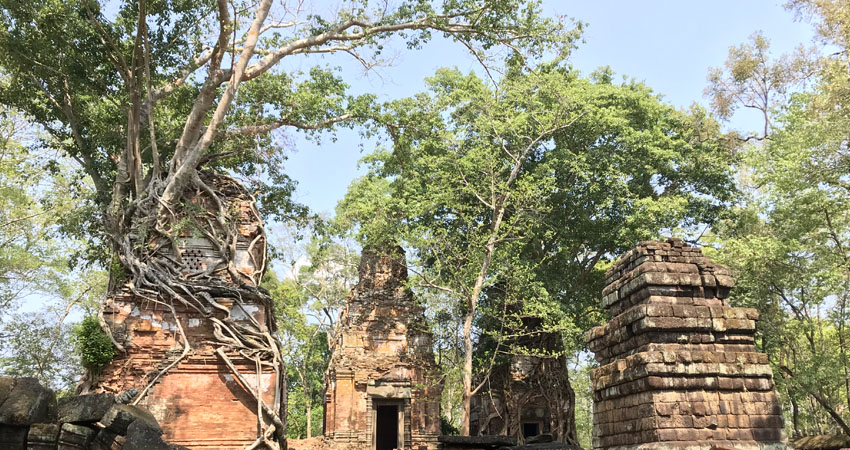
(524, 189)
(37, 190)
(77, 69)
(788, 242)
(447, 428)
(613, 166)
(583, 388)
(34, 195)
(750, 79)
(92, 344)
(306, 304)
(296, 426)
(34, 345)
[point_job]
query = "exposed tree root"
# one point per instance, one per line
(186, 349)
(151, 255)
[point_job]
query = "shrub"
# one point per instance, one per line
(93, 345)
(447, 428)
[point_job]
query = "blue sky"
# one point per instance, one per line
(669, 45)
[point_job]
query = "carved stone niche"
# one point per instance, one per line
(199, 402)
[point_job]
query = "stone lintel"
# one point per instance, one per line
(388, 390)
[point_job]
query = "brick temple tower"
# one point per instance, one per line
(383, 387)
(678, 365)
(198, 398)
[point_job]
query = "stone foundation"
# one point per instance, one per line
(679, 368)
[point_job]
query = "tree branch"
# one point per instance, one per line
(256, 130)
(186, 168)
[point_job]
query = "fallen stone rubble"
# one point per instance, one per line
(541, 442)
(31, 418)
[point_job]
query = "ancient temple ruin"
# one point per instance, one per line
(528, 395)
(205, 394)
(678, 364)
(383, 388)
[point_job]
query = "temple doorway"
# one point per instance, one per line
(530, 429)
(386, 427)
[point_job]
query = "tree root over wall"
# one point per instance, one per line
(218, 209)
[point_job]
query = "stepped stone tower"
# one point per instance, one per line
(200, 402)
(679, 368)
(383, 388)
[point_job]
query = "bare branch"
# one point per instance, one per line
(339, 34)
(205, 98)
(256, 130)
(185, 72)
(115, 55)
(279, 25)
(155, 170)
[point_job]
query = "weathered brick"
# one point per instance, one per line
(677, 345)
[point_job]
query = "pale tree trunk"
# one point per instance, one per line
(842, 345)
(467, 371)
(472, 304)
(308, 401)
(498, 205)
(309, 418)
(795, 418)
(186, 163)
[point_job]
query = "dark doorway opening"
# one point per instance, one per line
(386, 431)
(530, 429)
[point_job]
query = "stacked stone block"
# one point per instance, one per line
(678, 364)
(32, 419)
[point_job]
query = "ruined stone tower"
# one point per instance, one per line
(679, 368)
(383, 385)
(197, 397)
(528, 395)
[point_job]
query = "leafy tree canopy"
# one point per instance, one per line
(135, 91)
(788, 241)
(520, 189)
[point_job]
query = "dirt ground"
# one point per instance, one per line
(319, 443)
(316, 443)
